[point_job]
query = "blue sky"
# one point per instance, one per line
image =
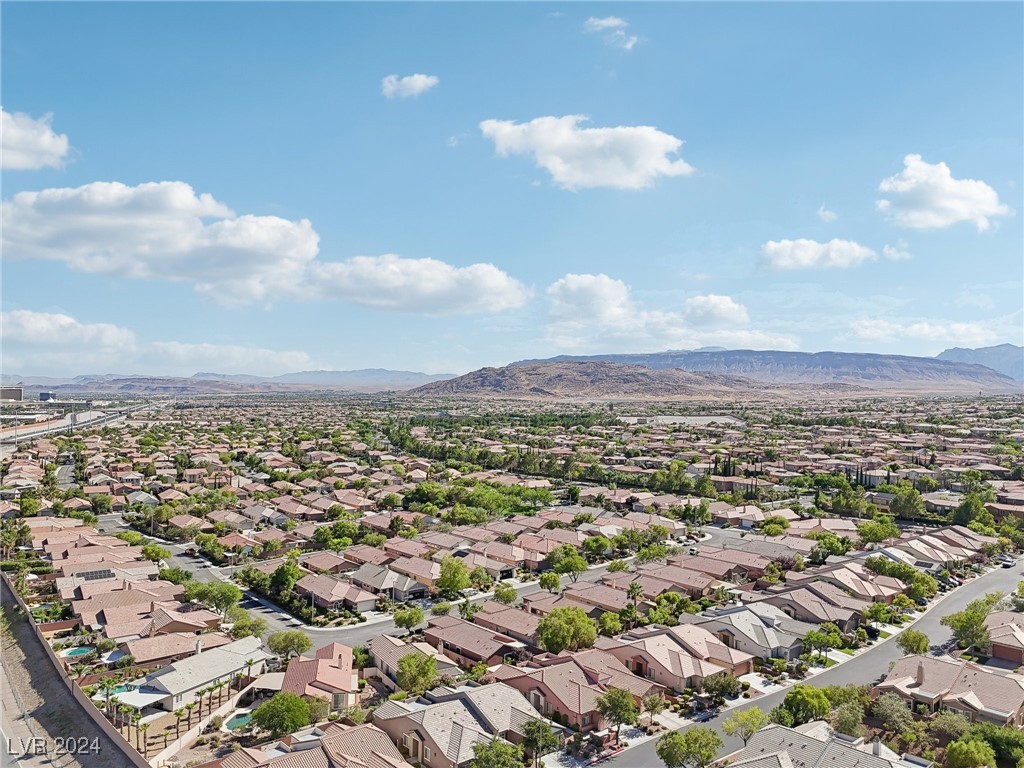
(237, 187)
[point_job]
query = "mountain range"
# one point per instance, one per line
(1005, 358)
(599, 379)
(363, 380)
(673, 373)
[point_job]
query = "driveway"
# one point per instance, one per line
(860, 669)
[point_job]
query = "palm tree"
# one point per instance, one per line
(188, 709)
(634, 591)
(248, 667)
(136, 716)
(145, 727)
(125, 711)
(80, 669)
(178, 714)
(107, 686)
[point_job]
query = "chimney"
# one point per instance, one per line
(199, 645)
(876, 747)
(920, 673)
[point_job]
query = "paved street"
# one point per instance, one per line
(860, 669)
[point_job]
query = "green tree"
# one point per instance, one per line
(567, 561)
(497, 753)
(283, 713)
(480, 578)
(175, 575)
(948, 723)
(911, 641)
(454, 577)
(505, 593)
(538, 739)
(550, 581)
(908, 503)
(720, 685)
(848, 718)
(609, 624)
(745, 723)
(806, 703)
(288, 643)
(695, 747)
(618, 708)
(653, 704)
(970, 753)
(317, 708)
(407, 618)
(417, 672)
(618, 566)
(283, 579)
(878, 529)
(566, 629)
(968, 625)
(595, 547)
(155, 553)
(893, 712)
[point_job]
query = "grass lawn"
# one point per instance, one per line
(847, 651)
(884, 635)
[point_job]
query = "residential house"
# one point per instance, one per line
(387, 653)
(328, 675)
(334, 594)
(180, 683)
(981, 695)
(469, 644)
(381, 580)
(566, 687)
(440, 730)
(677, 657)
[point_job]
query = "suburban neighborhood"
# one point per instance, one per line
(431, 590)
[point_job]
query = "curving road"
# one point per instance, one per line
(859, 669)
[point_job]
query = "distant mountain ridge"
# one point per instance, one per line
(1005, 358)
(595, 379)
(363, 380)
(381, 378)
(879, 372)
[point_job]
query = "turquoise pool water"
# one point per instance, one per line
(80, 651)
(238, 721)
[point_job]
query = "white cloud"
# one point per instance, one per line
(163, 231)
(594, 24)
(826, 215)
(27, 143)
(22, 326)
(395, 87)
(926, 196)
(804, 254)
(623, 157)
(613, 31)
(898, 252)
(426, 286)
(598, 313)
(45, 342)
(973, 299)
(713, 309)
(881, 330)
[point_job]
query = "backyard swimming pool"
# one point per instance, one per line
(239, 720)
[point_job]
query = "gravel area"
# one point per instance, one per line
(51, 709)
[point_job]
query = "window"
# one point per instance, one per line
(586, 719)
(405, 741)
(426, 754)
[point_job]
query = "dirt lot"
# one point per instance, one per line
(49, 705)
